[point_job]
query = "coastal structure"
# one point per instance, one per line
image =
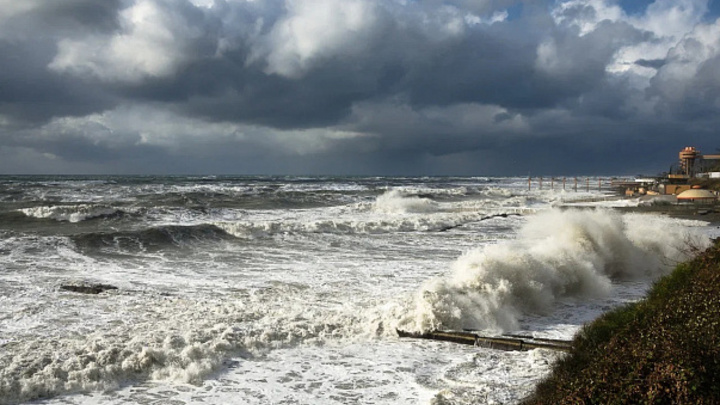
(697, 195)
(691, 179)
(692, 164)
(688, 156)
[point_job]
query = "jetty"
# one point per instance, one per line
(504, 342)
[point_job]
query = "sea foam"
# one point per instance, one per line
(557, 255)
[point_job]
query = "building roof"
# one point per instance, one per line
(696, 194)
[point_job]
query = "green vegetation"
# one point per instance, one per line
(664, 349)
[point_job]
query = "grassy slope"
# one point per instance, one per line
(664, 349)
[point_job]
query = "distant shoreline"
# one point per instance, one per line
(707, 213)
(700, 212)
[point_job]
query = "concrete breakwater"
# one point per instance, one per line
(505, 342)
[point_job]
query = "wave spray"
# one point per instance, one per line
(557, 254)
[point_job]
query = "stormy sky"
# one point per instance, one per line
(379, 87)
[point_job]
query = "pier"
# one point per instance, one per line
(573, 184)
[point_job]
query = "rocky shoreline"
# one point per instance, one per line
(87, 287)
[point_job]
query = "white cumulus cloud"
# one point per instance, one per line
(312, 30)
(680, 76)
(152, 42)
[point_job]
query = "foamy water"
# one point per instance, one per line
(287, 290)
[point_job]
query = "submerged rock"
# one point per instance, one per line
(87, 288)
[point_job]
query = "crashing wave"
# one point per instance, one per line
(558, 254)
(396, 202)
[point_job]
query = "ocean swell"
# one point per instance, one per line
(150, 239)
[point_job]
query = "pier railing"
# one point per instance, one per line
(577, 184)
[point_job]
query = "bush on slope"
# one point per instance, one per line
(663, 349)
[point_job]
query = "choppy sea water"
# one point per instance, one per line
(270, 290)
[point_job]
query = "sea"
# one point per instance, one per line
(291, 290)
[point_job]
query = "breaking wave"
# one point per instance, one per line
(267, 229)
(437, 223)
(558, 254)
(74, 213)
(396, 202)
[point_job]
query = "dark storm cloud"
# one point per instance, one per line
(38, 19)
(322, 98)
(653, 63)
(354, 86)
(30, 94)
(492, 65)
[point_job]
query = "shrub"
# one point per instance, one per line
(663, 349)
